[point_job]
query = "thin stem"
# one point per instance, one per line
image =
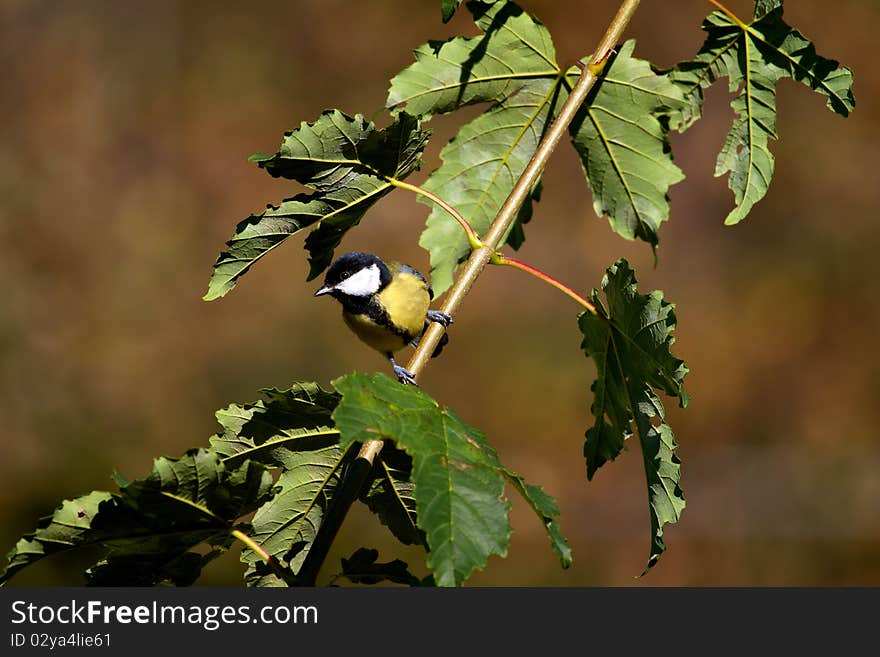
(729, 13)
(271, 561)
(473, 238)
(499, 259)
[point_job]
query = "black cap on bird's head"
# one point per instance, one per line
(355, 275)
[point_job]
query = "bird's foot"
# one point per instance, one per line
(404, 375)
(439, 317)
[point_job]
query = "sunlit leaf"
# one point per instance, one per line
(457, 477)
(512, 66)
(624, 147)
(755, 57)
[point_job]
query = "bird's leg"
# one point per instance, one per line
(403, 375)
(439, 317)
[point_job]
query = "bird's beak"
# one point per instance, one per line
(327, 289)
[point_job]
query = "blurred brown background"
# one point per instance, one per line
(124, 128)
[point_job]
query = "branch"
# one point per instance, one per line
(477, 261)
(479, 258)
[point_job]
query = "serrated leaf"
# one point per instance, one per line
(624, 145)
(512, 66)
(630, 343)
(465, 70)
(144, 532)
(389, 493)
(346, 159)
(480, 167)
(68, 528)
(755, 57)
(362, 567)
(448, 7)
(764, 7)
(292, 429)
(457, 477)
(547, 510)
(270, 431)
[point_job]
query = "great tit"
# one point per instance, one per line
(384, 304)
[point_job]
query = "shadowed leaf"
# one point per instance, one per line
(291, 429)
(346, 159)
(630, 342)
(143, 534)
(362, 567)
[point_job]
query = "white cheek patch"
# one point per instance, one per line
(362, 284)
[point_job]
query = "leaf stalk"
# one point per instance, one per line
(500, 259)
(472, 237)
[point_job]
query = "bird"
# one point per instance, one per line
(386, 305)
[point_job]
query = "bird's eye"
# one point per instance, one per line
(345, 275)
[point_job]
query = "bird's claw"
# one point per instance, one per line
(442, 318)
(404, 376)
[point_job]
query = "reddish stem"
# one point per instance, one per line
(499, 259)
(727, 11)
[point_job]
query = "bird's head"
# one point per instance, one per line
(358, 275)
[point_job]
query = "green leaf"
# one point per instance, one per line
(144, 533)
(631, 342)
(480, 167)
(764, 7)
(389, 493)
(512, 65)
(69, 527)
(624, 145)
(755, 58)
(293, 430)
(362, 568)
(272, 431)
(465, 70)
(448, 7)
(346, 159)
(457, 477)
(547, 510)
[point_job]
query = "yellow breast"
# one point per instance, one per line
(405, 300)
